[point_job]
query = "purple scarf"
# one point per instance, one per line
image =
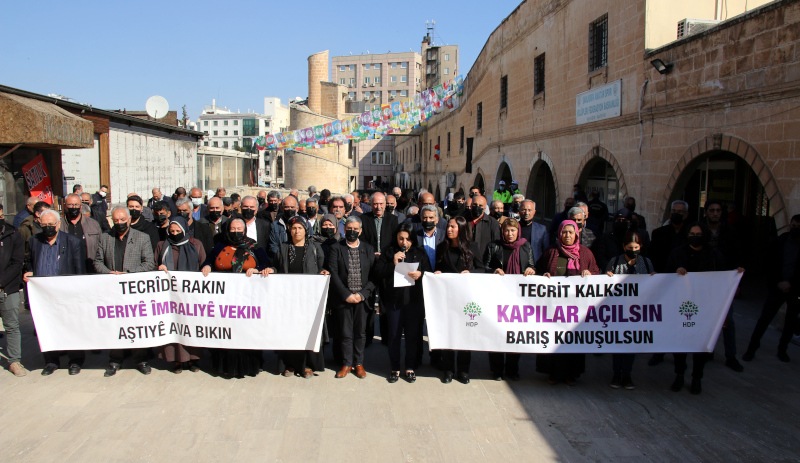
(573, 251)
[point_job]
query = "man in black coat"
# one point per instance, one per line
(12, 255)
(485, 229)
(196, 230)
(351, 262)
(138, 222)
(100, 207)
(54, 253)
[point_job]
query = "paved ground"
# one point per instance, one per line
(750, 416)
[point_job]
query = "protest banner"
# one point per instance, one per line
(37, 178)
(623, 313)
(280, 312)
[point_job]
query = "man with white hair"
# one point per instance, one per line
(124, 250)
(535, 233)
(52, 254)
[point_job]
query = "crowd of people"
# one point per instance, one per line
(358, 239)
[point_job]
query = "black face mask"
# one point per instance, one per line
(248, 214)
(328, 232)
(514, 207)
(261, 201)
(184, 214)
(73, 212)
(496, 214)
(160, 219)
(272, 207)
(351, 236)
(696, 241)
(236, 237)
(214, 215)
(311, 211)
(226, 212)
(135, 214)
(620, 228)
(676, 218)
(389, 210)
(476, 211)
(580, 225)
(794, 233)
(176, 238)
(428, 226)
(49, 231)
(348, 207)
(631, 254)
(120, 228)
(287, 214)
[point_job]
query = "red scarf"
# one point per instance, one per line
(514, 266)
(573, 251)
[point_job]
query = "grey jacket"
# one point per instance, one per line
(138, 253)
(91, 234)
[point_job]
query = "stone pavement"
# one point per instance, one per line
(750, 416)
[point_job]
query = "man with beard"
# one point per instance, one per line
(53, 254)
(337, 207)
(138, 222)
(485, 229)
(269, 211)
(279, 233)
(255, 228)
(124, 250)
(85, 228)
(194, 229)
(535, 233)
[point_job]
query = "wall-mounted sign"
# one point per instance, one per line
(599, 103)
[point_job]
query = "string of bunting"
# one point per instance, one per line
(395, 117)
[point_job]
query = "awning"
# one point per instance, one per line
(32, 122)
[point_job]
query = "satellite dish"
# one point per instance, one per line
(157, 106)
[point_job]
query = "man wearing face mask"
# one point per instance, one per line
(427, 199)
(456, 207)
(198, 208)
(391, 208)
(255, 228)
(670, 236)
(501, 193)
(350, 263)
(124, 250)
(485, 229)
(161, 215)
(84, 228)
(516, 202)
(496, 211)
(194, 228)
(138, 222)
(349, 201)
(270, 211)
(12, 256)
(214, 220)
(630, 206)
(312, 216)
(278, 233)
(261, 196)
(100, 207)
(53, 254)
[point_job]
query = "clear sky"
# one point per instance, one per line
(115, 54)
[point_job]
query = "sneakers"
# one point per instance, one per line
(627, 383)
(616, 382)
(622, 381)
(17, 369)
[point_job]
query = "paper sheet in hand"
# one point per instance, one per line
(401, 277)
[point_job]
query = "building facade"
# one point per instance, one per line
(715, 118)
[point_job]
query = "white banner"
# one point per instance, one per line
(280, 312)
(623, 313)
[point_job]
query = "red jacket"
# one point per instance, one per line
(549, 260)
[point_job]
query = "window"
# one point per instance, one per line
(205, 143)
(236, 122)
(216, 145)
(404, 64)
(236, 144)
(342, 81)
(403, 79)
(393, 93)
(225, 133)
(224, 144)
(377, 79)
(205, 133)
(461, 138)
(446, 71)
(479, 116)
(235, 132)
(538, 74)
(250, 127)
(394, 65)
(403, 92)
(366, 66)
(224, 122)
(598, 43)
(266, 123)
(504, 92)
(393, 79)
(367, 95)
(447, 56)
(374, 157)
(342, 68)
(216, 132)
(377, 94)
(376, 66)
(352, 81)
(216, 123)
(205, 123)
(366, 80)
(448, 142)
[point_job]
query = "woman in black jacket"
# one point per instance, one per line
(511, 254)
(300, 255)
(458, 254)
(404, 306)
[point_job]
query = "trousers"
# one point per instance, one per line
(772, 305)
(351, 321)
(9, 312)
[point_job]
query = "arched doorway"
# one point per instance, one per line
(480, 183)
(599, 175)
(503, 173)
(542, 190)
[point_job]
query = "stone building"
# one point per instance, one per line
(715, 117)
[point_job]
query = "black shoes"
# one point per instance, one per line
(463, 378)
(513, 376)
(783, 357)
(393, 377)
(677, 385)
(143, 368)
(695, 388)
(749, 355)
(74, 369)
(411, 376)
(734, 365)
(627, 382)
(616, 381)
(448, 377)
(49, 369)
(111, 369)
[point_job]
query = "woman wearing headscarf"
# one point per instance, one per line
(510, 255)
(236, 253)
(630, 262)
(566, 258)
(300, 255)
(458, 254)
(182, 253)
(404, 306)
(328, 236)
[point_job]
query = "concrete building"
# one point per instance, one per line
(375, 79)
(714, 118)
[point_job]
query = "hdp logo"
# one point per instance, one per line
(688, 309)
(472, 310)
